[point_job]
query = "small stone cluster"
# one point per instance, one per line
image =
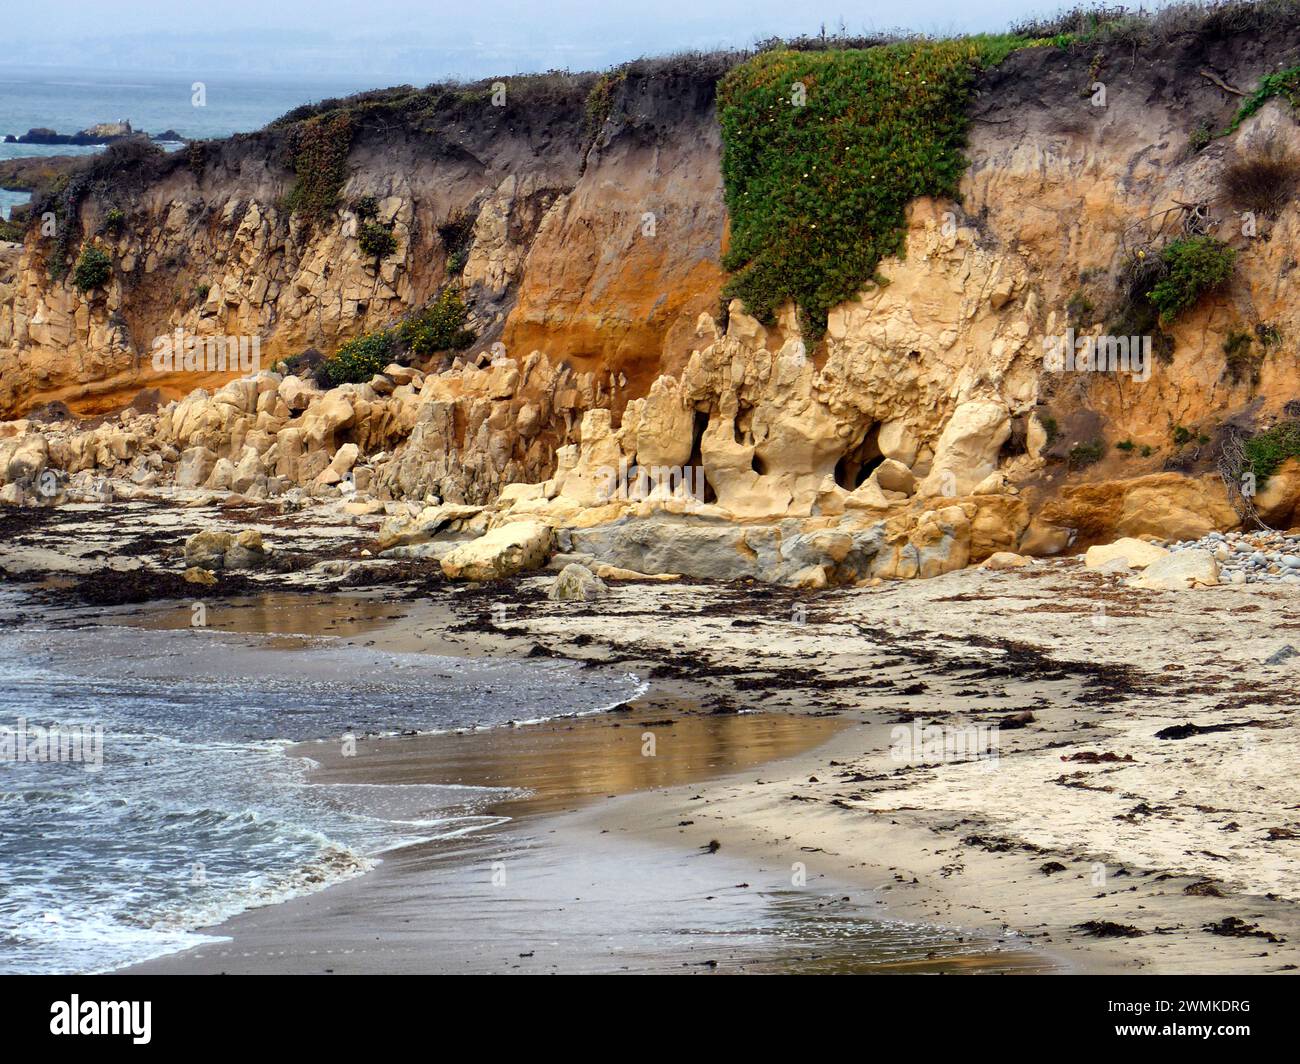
(1261, 557)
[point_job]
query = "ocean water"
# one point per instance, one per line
(198, 811)
(68, 100)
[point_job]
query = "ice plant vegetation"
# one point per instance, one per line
(823, 151)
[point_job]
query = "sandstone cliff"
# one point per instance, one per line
(595, 221)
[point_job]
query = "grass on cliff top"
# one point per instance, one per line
(1203, 20)
(823, 151)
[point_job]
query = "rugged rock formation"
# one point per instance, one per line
(612, 397)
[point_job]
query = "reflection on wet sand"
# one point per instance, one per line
(571, 898)
(281, 613)
(563, 763)
(534, 886)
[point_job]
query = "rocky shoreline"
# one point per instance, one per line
(386, 454)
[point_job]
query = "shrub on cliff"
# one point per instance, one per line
(600, 101)
(92, 270)
(1265, 451)
(13, 230)
(1193, 266)
(1081, 20)
(1241, 361)
(823, 151)
(1262, 183)
(439, 327)
(1134, 314)
(377, 241)
(360, 359)
(457, 234)
(1085, 454)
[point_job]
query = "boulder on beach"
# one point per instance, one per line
(576, 583)
(509, 549)
(404, 530)
(1005, 559)
(247, 551)
(1137, 553)
(1179, 571)
(207, 550)
(224, 550)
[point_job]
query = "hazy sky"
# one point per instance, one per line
(389, 41)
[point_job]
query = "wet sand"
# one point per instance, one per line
(549, 890)
(1161, 863)
(1140, 815)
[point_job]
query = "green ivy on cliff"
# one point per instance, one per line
(823, 151)
(318, 152)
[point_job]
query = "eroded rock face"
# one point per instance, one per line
(1166, 505)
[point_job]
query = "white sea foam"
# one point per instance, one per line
(198, 812)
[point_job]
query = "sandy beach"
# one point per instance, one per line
(1088, 842)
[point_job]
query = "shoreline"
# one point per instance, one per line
(959, 861)
(404, 914)
(256, 939)
(1090, 836)
(928, 862)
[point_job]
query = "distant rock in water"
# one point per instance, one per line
(107, 130)
(100, 133)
